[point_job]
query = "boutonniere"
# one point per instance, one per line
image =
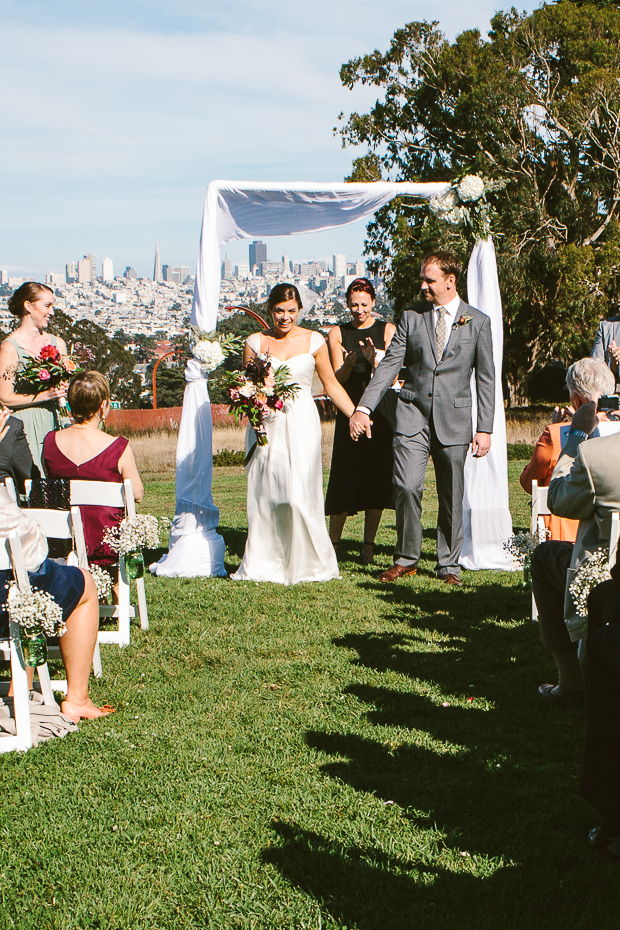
(462, 320)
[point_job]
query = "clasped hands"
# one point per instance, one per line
(359, 424)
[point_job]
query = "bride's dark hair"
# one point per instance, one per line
(280, 294)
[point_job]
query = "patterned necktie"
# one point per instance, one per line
(440, 331)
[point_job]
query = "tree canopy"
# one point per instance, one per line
(537, 104)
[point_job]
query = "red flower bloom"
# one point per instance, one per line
(49, 352)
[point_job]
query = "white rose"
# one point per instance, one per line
(471, 187)
(248, 390)
(454, 217)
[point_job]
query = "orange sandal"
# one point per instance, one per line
(78, 713)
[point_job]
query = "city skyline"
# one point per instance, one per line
(113, 130)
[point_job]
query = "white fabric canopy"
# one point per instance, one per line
(243, 210)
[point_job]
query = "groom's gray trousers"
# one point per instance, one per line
(411, 454)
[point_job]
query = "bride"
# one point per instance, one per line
(287, 536)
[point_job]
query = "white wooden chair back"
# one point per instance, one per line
(114, 494)
(12, 556)
(10, 486)
(540, 510)
(613, 539)
(66, 524)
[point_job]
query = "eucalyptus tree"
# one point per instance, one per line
(537, 104)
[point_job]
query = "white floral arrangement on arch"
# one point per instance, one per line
(464, 204)
(36, 610)
(211, 349)
(594, 570)
(141, 531)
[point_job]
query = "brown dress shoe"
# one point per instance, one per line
(451, 579)
(397, 571)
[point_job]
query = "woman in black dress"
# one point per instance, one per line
(361, 472)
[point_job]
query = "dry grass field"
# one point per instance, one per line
(155, 452)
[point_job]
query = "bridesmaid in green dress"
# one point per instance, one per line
(33, 304)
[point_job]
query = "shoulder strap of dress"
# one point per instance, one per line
(254, 342)
(316, 341)
(14, 343)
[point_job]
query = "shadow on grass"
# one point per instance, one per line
(468, 764)
(234, 539)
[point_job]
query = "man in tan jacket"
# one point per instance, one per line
(585, 486)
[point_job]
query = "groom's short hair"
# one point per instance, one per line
(447, 261)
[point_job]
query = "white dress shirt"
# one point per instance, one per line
(451, 309)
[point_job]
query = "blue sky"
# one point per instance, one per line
(115, 116)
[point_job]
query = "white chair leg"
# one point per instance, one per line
(144, 616)
(21, 697)
(123, 603)
(46, 686)
(534, 610)
(97, 669)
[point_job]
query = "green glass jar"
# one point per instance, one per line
(527, 574)
(135, 564)
(33, 646)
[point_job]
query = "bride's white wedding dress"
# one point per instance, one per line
(287, 536)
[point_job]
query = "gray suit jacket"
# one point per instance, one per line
(607, 330)
(15, 456)
(585, 486)
(439, 387)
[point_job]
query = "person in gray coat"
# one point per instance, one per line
(607, 345)
(440, 346)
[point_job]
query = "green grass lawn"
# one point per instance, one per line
(339, 755)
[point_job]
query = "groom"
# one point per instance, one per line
(440, 344)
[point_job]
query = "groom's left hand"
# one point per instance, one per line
(481, 445)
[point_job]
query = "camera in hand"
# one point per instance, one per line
(608, 402)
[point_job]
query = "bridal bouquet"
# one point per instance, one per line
(48, 368)
(211, 349)
(590, 573)
(464, 203)
(257, 390)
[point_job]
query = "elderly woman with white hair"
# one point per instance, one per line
(586, 381)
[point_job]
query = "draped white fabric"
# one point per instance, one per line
(241, 210)
(487, 523)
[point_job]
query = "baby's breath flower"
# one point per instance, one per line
(591, 572)
(36, 610)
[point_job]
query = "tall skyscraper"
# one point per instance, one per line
(87, 270)
(360, 269)
(258, 253)
(157, 271)
(287, 264)
(340, 266)
(70, 273)
(183, 272)
(227, 269)
(107, 270)
(130, 273)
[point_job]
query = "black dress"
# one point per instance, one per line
(361, 472)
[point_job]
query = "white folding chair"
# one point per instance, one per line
(10, 486)
(115, 494)
(12, 557)
(66, 524)
(537, 523)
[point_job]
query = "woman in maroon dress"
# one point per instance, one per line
(84, 452)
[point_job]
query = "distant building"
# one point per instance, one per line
(15, 282)
(172, 275)
(271, 268)
(107, 270)
(184, 273)
(227, 270)
(4, 277)
(87, 269)
(55, 280)
(157, 270)
(130, 273)
(258, 253)
(70, 273)
(287, 264)
(360, 269)
(242, 271)
(340, 266)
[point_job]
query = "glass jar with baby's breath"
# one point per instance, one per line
(33, 645)
(134, 562)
